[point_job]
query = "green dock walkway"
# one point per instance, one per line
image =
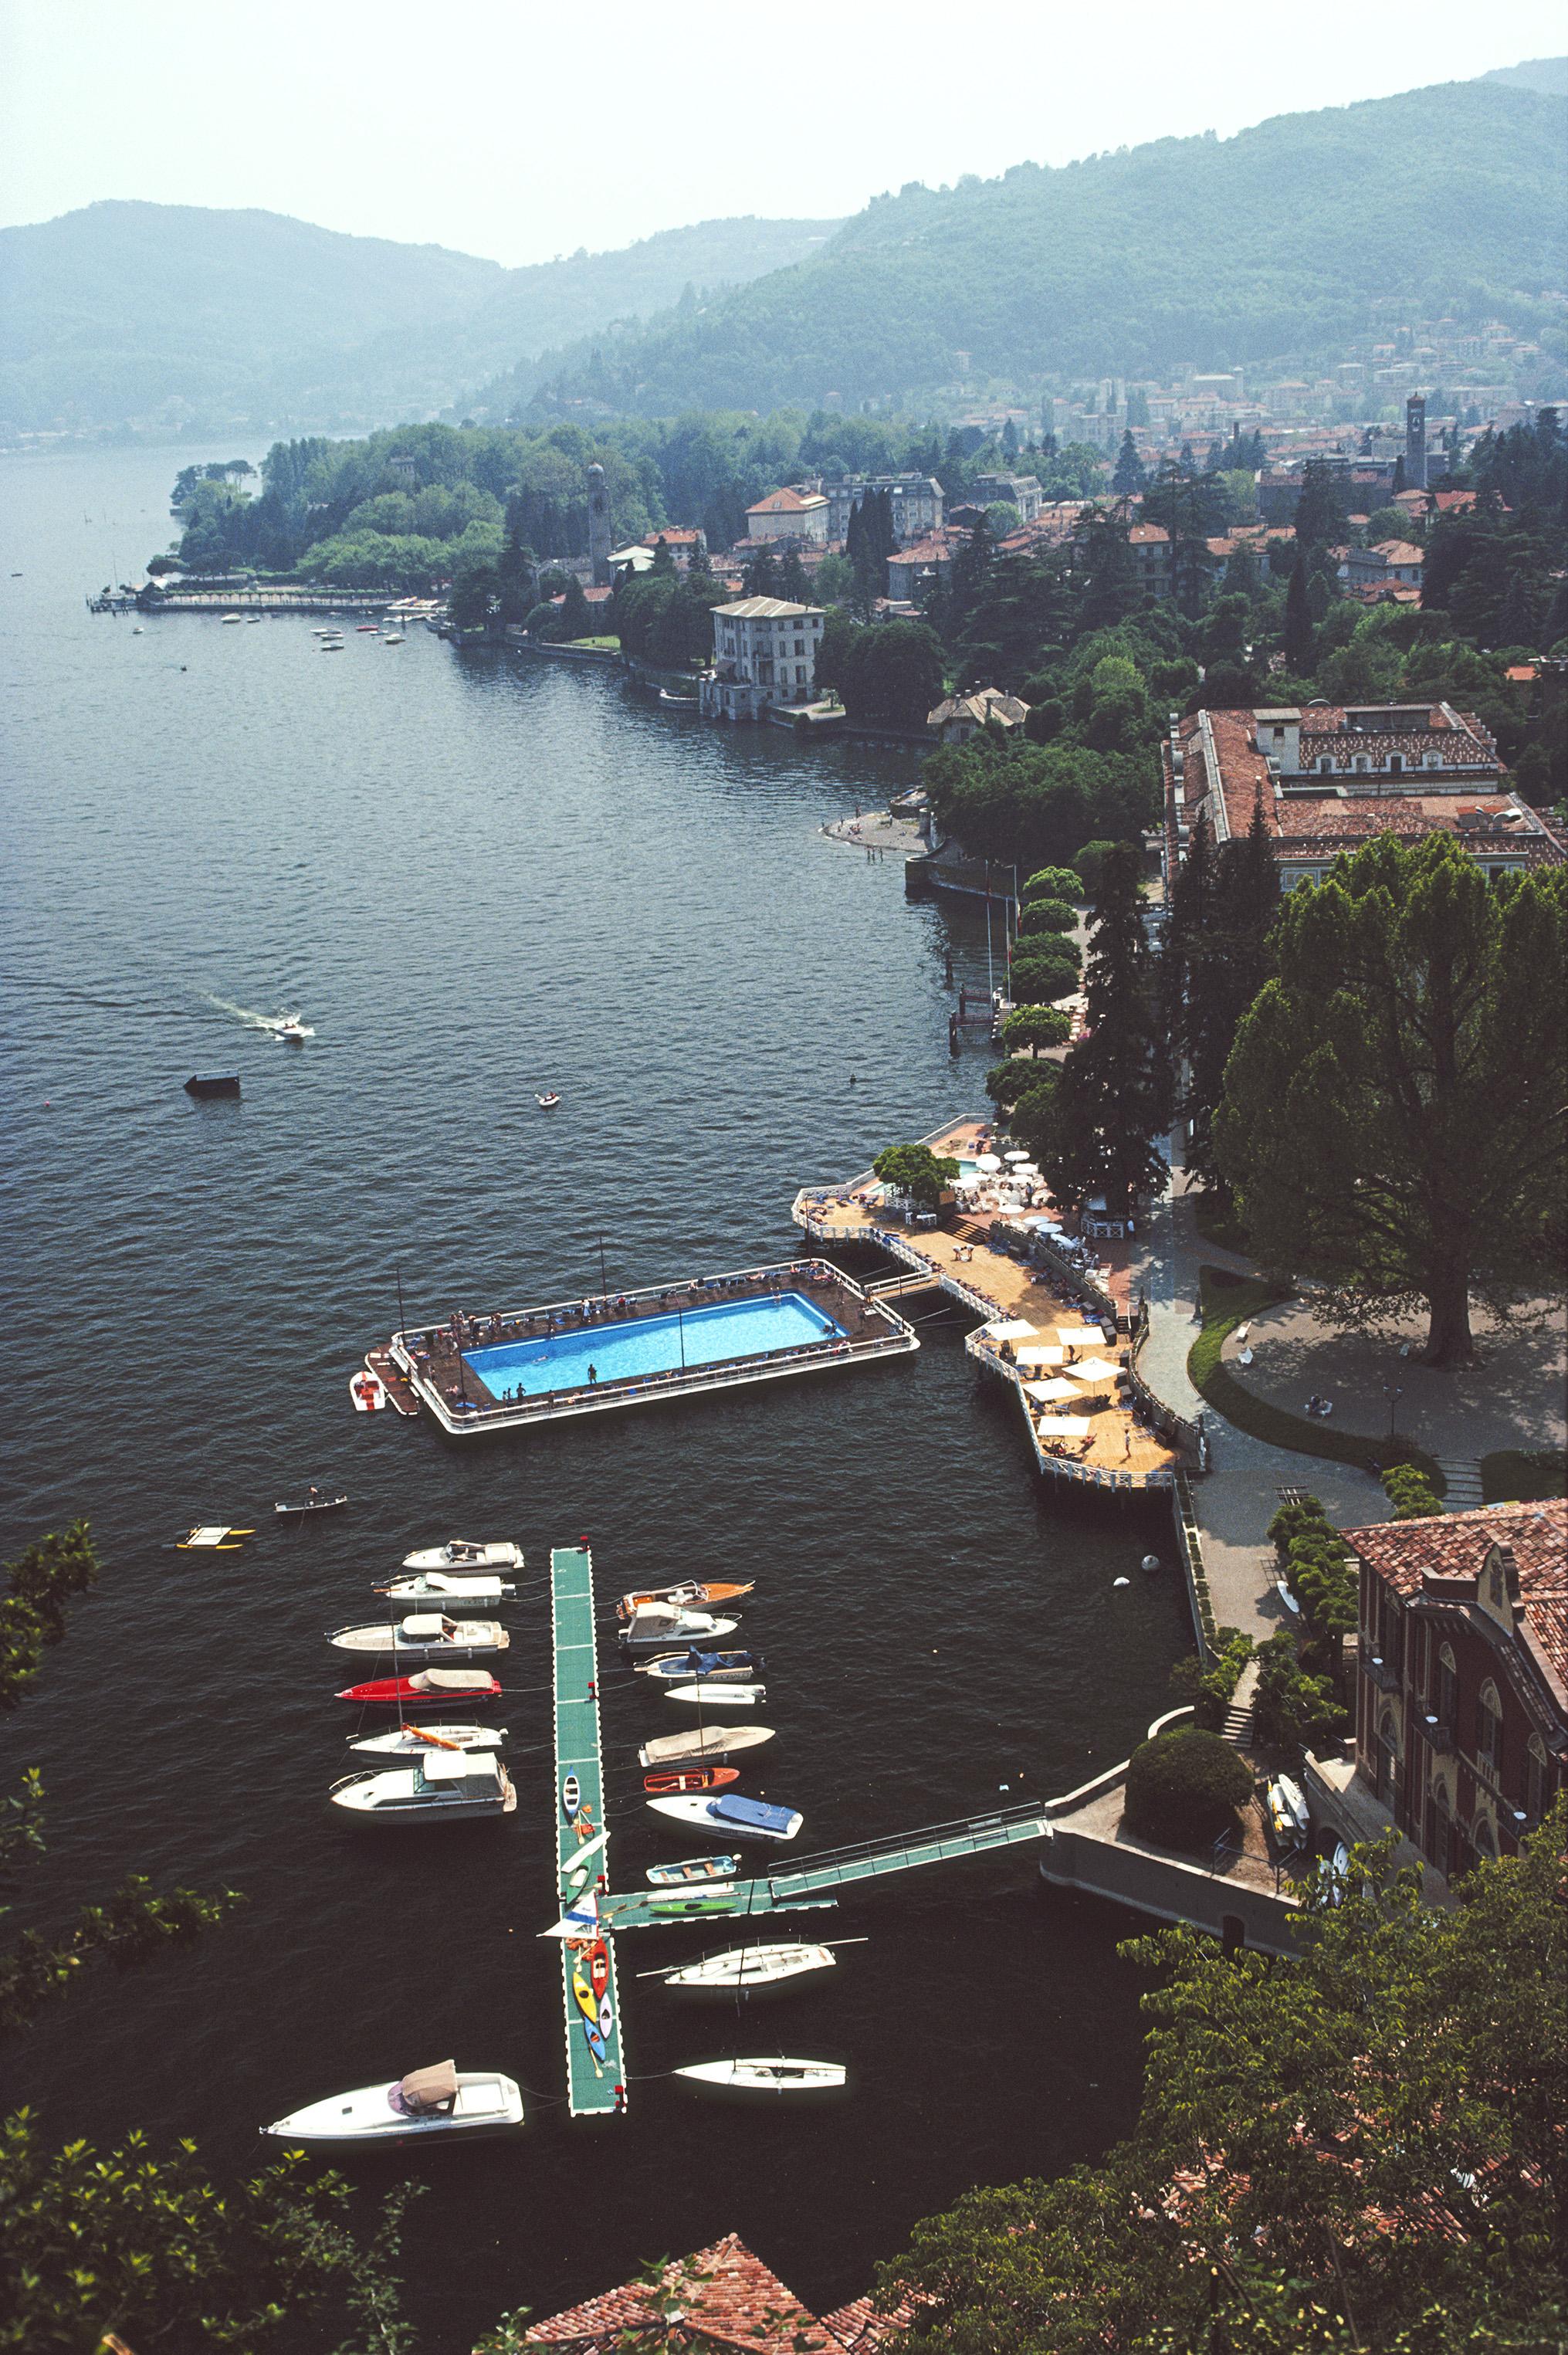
(594, 2088)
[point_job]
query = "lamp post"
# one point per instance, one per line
(1393, 1393)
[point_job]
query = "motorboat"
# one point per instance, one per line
(426, 1635)
(213, 1538)
(742, 1970)
(780, 2076)
(706, 1744)
(692, 1594)
(672, 1668)
(440, 1585)
(460, 1553)
(446, 1786)
(707, 1695)
(677, 1781)
(428, 2105)
(315, 1500)
(548, 1102)
(292, 1031)
(332, 646)
(732, 1816)
(693, 1868)
(651, 1629)
(232, 621)
(213, 1083)
(367, 1391)
(420, 1741)
(1289, 1820)
(391, 638)
(366, 629)
(429, 1685)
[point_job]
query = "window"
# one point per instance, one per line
(1484, 1840)
(1325, 765)
(1535, 1779)
(1490, 1730)
(1442, 1838)
(1448, 1688)
(1396, 763)
(1388, 1760)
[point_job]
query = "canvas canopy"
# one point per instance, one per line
(1038, 1353)
(1094, 1369)
(1064, 1427)
(425, 2088)
(422, 1623)
(453, 1680)
(1051, 1393)
(456, 1767)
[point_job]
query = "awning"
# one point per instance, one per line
(1038, 1353)
(1094, 1369)
(1051, 1393)
(1064, 1427)
(426, 2087)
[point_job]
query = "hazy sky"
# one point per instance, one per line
(520, 131)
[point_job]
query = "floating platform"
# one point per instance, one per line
(523, 1367)
(595, 2087)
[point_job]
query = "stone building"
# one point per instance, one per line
(789, 514)
(765, 653)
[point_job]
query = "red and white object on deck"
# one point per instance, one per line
(367, 1391)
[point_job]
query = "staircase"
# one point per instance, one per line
(1238, 1729)
(1462, 1484)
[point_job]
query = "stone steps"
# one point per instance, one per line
(1462, 1484)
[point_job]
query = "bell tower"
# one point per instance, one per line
(1415, 442)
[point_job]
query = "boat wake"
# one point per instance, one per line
(254, 1021)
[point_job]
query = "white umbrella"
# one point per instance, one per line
(1078, 1337)
(1038, 1353)
(1064, 1427)
(1094, 1369)
(1014, 1156)
(1015, 1329)
(1051, 1393)
(988, 1161)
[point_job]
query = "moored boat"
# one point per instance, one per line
(427, 2105)
(679, 1781)
(367, 1391)
(426, 1635)
(705, 1743)
(420, 1741)
(548, 1101)
(675, 1667)
(765, 2076)
(692, 1869)
(446, 1786)
(315, 1500)
(462, 1553)
(716, 1696)
(692, 1594)
(732, 1816)
(430, 1685)
(663, 1628)
(742, 1970)
(213, 1538)
(440, 1585)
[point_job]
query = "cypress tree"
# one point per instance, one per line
(1113, 1101)
(1300, 636)
(1227, 967)
(1131, 474)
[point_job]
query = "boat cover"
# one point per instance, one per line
(453, 1680)
(423, 1624)
(734, 1809)
(424, 2088)
(457, 1766)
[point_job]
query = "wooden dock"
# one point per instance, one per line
(594, 2088)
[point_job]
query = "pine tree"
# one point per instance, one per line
(1130, 476)
(761, 577)
(1113, 1101)
(1227, 962)
(793, 582)
(664, 562)
(1010, 439)
(1300, 638)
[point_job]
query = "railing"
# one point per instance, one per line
(1381, 1672)
(1192, 1438)
(1190, 1546)
(1064, 1468)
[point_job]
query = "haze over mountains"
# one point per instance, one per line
(1289, 238)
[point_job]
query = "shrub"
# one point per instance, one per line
(1184, 1788)
(1035, 1027)
(1293, 1520)
(1292, 1709)
(1410, 1493)
(1049, 970)
(1048, 916)
(1215, 1687)
(1053, 883)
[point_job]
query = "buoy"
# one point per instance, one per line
(1121, 1582)
(1150, 1561)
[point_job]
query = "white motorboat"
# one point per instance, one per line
(780, 2076)
(690, 1593)
(420, 1741)
(662, 1628)
(426, 1635)
(367, 1391)
(442, 1585)
(707, 1742)
(460, 1553)
(292, 1029)
(728, 1814)
(707, 1695)
(391, 638)
(232, 621)
(681, 1668)
(428, 2105)
(444, 1786)
(741, 1970)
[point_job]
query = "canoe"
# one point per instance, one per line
(741, 1970)
(462, 1553)
(571, 1798)
(693, 1868)
(732, 1815)
(433, 1585)
(430, 2105)
(707, 1695)
(704, 1742)
(692, 1591)
(686, 1779)
(769, 2076)
(419, 1740)
(425, 1636)
(676, 1667)
(430, 1685)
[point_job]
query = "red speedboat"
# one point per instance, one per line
(690, 1778)
(443, 1685)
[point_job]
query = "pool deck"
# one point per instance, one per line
(434, 1359)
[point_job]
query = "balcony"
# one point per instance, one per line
(1439, 1737)
(1381, 1672)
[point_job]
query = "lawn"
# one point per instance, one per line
(1518, 1475)
(598, 645)
(1231, 1300)
(1218, 1224)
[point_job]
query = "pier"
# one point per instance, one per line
(253, 601)
(518, 1368)
(595, 2088)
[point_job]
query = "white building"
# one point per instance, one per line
(764, 652)
(788, 515)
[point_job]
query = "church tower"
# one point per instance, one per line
(599, 526)
(1415, 442)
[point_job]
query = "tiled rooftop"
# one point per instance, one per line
(1455, 1545)
(728, 2299)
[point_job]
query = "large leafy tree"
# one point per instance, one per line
(1361, 2147)
(1395, 1107)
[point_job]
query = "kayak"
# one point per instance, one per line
(441, 1685)
(598, 1959)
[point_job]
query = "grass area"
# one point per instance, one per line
(1519, 1475)
(1230, 1300)
(1218, 1223)
(599, 645)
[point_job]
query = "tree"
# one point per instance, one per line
(1320, 508)
(1054, 883)
(1130, 474)
(576, 614)
(1291, 1708)
(1359, 2148)
(894, 674)
(793, 582)
(1042, 970)
(1046, 916)
(1395, 1106)
(915, 1171)
(1089, 864)
(1184, 1787)
(1300, 638)
(1222, 920)
(1034, 1027)
(1115, 1094)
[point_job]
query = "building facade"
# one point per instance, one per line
(916, 502)
(765, 653)
(1462, 1676)
(789, 514)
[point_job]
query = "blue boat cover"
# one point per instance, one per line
(733, 1809)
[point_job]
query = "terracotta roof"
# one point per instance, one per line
(1148, 534)
(1407, 1554)
(1521, 673)
(1399, 552)
(788, 503)
(673, 535)
(765, 609)
(734, 2301)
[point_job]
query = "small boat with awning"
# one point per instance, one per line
(445, 1786)
(732, 1815)
(438, 2105)
(443, 1586)
(703, 1744)
(662, 1629)
(462, 1554)
(441, 1686)
(426, 1635)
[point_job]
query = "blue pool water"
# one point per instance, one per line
(653, 1345)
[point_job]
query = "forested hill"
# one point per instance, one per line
(1550, 74)
(178, 315)
(1281, 239)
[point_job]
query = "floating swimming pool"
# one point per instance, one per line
(653, 1345)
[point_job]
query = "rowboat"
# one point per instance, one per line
(571, 1798)
(419, 1740)
(691, 1593)
(693, 1868)
(740, 1970)
(690, 1778)
(428, 1685)
(714, 1696)
(660, 1627)
(705, 1742)
(427, 1635)
(732, 1816)
(459, 1553)
(677, 1666)
(548, 1102)
(428, 2105)
(779, 2076)
(367, 1391)
(213, 1539)
(445, 1786)
(440, 1585)
(315, 1500)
